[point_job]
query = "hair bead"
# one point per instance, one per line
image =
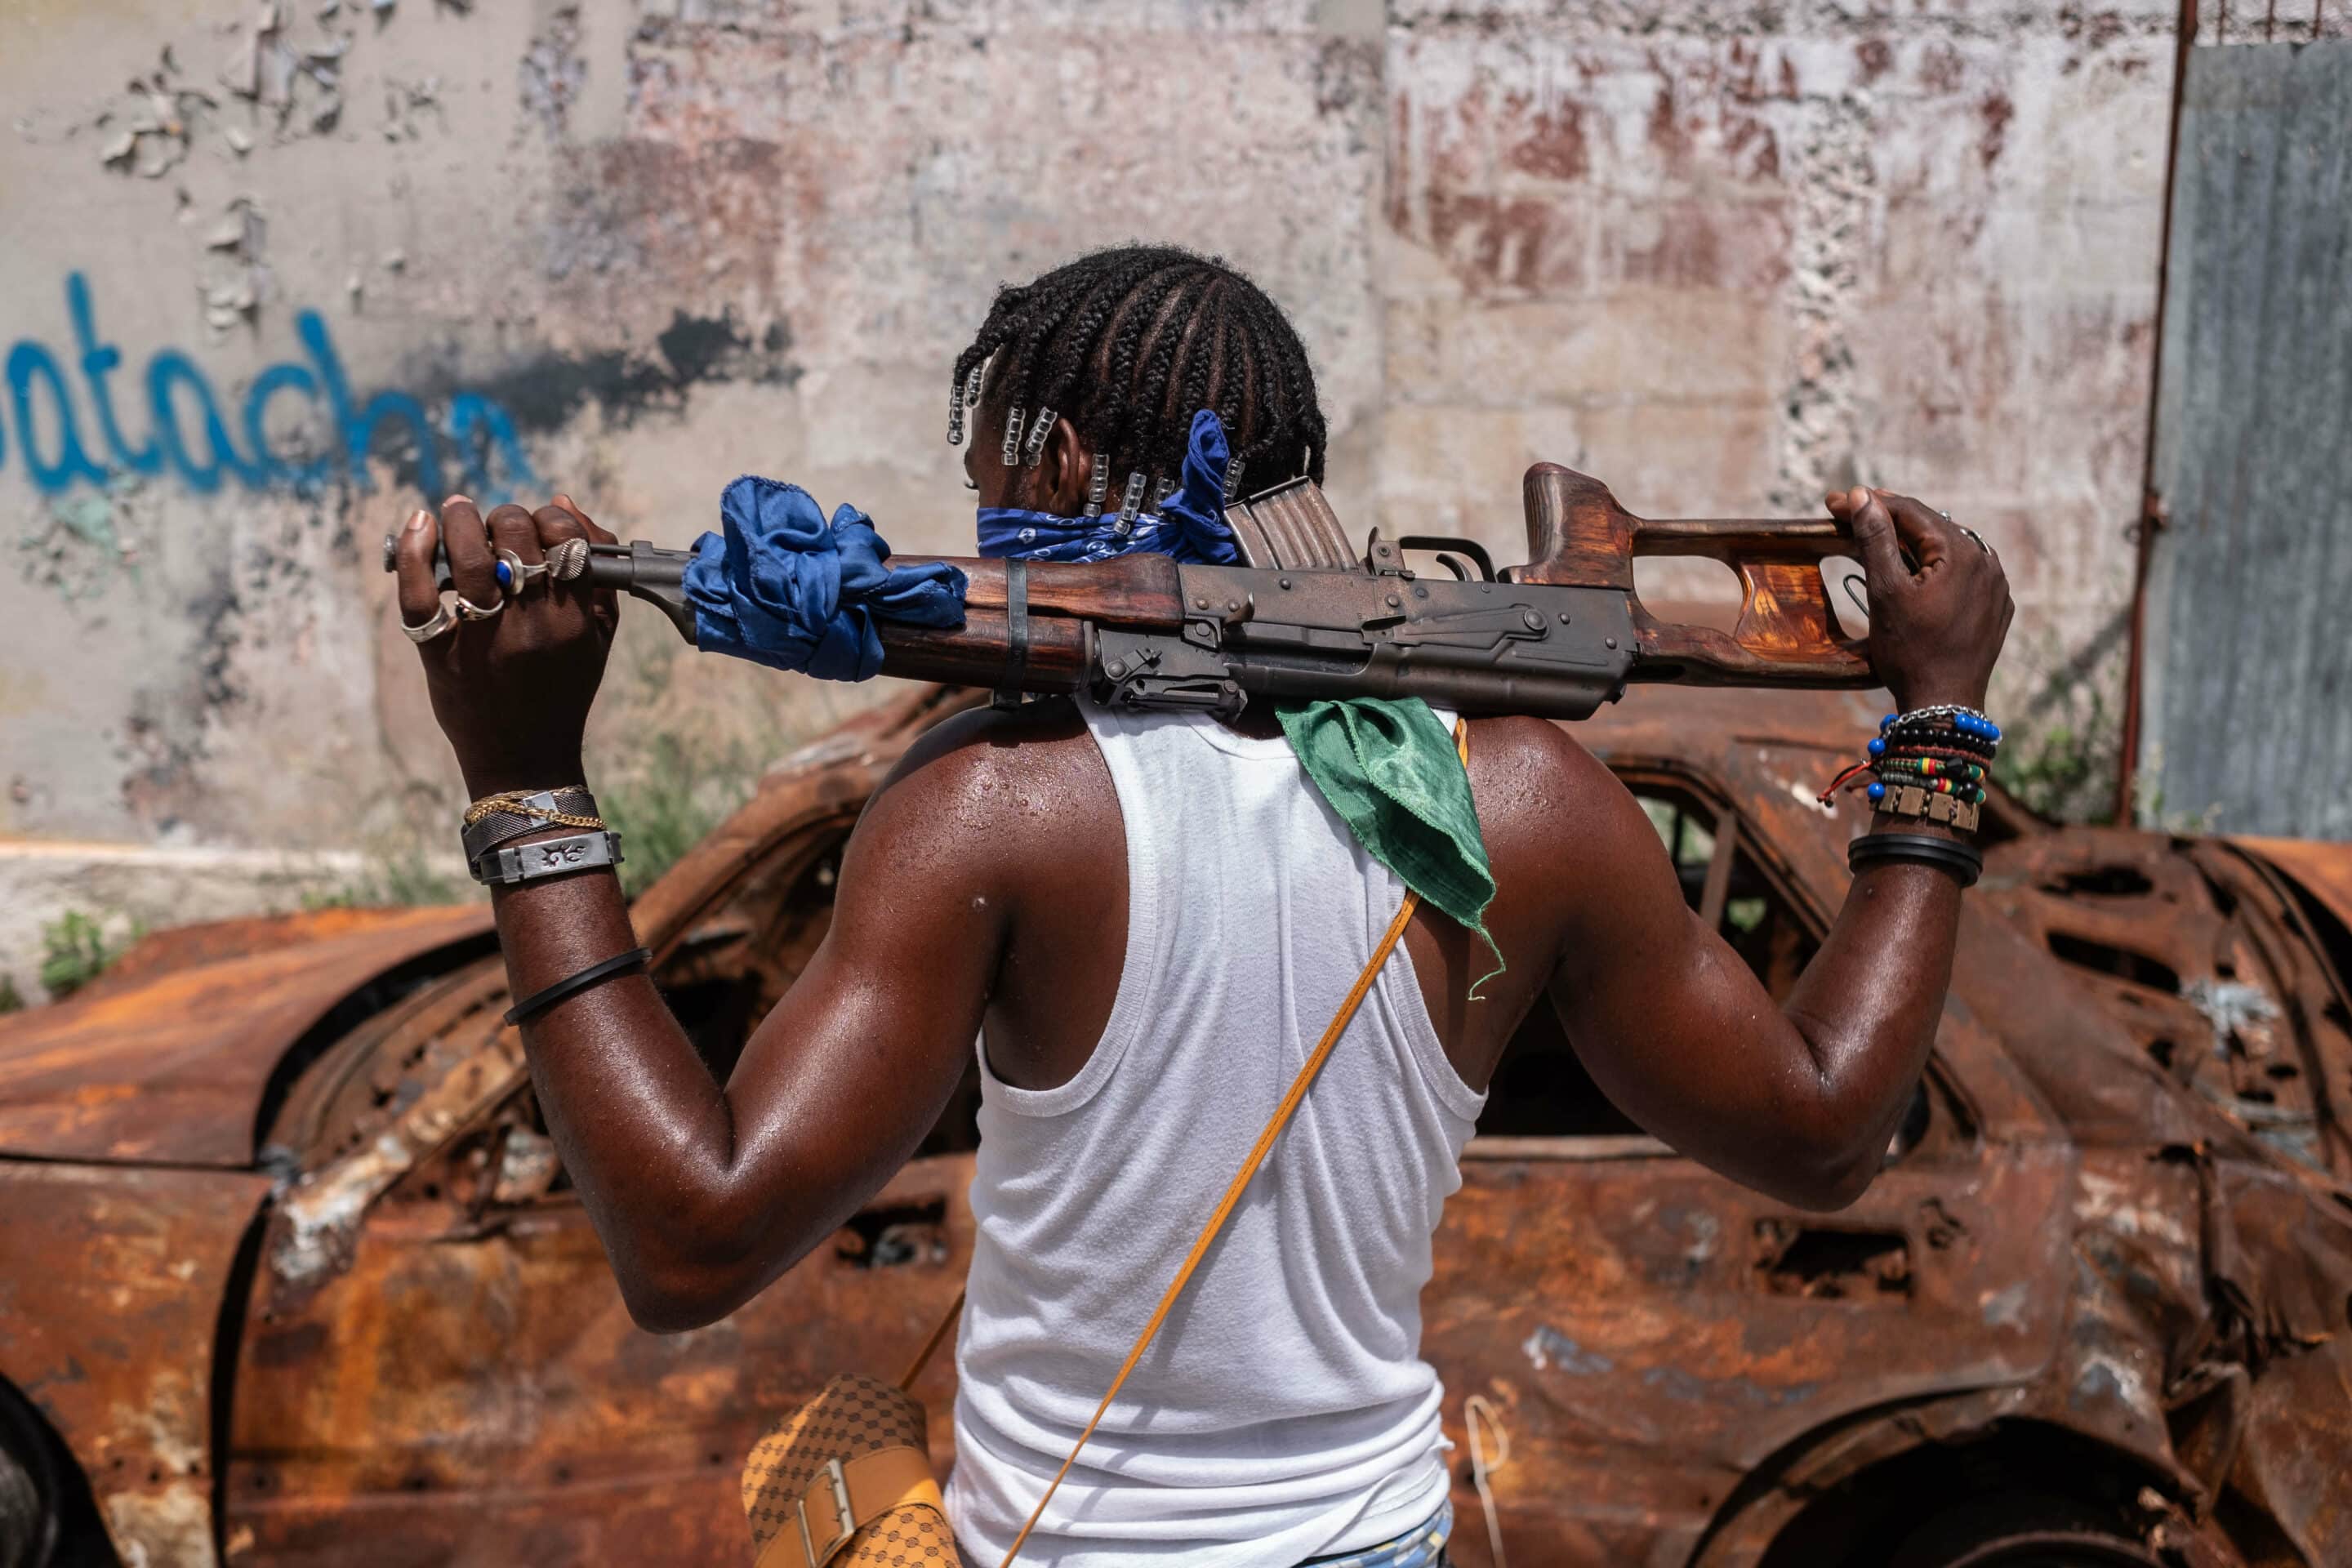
(1012, 453)
(1098, 485)
(1133, 501)
(1035, 448)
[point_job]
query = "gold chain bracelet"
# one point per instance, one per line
(518, 803)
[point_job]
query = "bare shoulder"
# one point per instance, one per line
(1548, 807)
(993, 748)
(986, 783)
(1533, 767)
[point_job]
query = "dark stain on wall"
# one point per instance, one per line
(547, 391)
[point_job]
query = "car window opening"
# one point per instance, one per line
(1540, 1089)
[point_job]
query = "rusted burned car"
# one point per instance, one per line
(290, 1272)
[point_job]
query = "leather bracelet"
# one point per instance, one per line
(541, 1001)
(1893, 797)
(548, 857)
(496, 818)
(1945, 854)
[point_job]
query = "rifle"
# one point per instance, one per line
(1305, 616)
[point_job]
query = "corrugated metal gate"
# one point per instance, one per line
(2248, 693)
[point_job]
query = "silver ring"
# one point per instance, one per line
(519, 573)
(567, 558)
(1972, 534)
(469, 611)
(442, 620)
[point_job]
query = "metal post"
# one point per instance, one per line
(2151, 507)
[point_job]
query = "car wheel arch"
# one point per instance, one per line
(31, 1445)
(1890, 1454)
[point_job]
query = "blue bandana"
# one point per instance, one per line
(1189, 524)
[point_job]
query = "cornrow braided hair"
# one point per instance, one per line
(1128, 344)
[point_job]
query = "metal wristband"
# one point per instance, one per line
(496, 828)
(1945, 854)
(548, 857)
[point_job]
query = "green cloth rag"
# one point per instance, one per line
(1390, 770)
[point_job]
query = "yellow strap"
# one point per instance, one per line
(877, 1482)
(923, 1356)
(1258, 1151)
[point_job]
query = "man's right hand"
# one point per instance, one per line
(1933, 631)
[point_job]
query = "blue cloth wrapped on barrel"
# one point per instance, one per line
(783, 587)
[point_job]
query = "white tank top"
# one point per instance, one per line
(1284, 1411)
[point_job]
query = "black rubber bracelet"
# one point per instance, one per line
(541, 1001)
(1945, 854)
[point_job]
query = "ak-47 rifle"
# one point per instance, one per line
(1305, 616)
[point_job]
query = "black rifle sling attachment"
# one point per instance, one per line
(1016, 633)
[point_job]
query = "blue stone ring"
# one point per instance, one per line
(515, 575)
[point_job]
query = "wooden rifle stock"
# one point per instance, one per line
(1788, 632)
(1306, 617)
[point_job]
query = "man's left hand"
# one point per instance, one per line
(511, 688)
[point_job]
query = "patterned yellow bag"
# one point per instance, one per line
(846, 1479)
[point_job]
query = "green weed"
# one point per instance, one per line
(2061, 754)
(666, 804)
(74, 951)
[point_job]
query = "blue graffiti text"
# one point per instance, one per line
(188, 436)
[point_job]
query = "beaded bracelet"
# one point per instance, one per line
(1938, 742)
(1966, 721)
(1929, 763)
(1930, 767)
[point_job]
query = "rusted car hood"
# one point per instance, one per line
(169, 1063)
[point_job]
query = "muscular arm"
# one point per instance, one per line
(1796, 1100)
(703, 1193)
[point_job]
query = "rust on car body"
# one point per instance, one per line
(169, 1062)
(111, 1283)
(2106, 1269)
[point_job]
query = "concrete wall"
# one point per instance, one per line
(1722, 254)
